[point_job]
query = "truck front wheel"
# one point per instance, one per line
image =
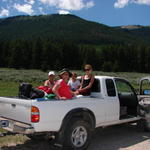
(144, 125)
(77, 135)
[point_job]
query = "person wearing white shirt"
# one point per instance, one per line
(74, 83)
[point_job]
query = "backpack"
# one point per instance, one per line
(36, 93)
(25, 90)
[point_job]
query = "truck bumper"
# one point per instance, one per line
(16, 127)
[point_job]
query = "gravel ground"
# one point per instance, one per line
(122, 137)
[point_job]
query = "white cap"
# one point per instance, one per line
(51, 73)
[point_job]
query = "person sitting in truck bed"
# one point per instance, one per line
(74, 83)
(86, 81)
(61, 89)
(48, 84)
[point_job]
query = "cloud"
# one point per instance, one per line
(90, 4)
(144, 2)
(68, 4)
(123, 3)
(32, 7)
(49, 2)
(31, 2)
(63, 12)
(26, 8)
(4, 12)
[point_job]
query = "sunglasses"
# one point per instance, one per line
(87, 69)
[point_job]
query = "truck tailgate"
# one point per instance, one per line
(16, 109)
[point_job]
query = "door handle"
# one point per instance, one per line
(13, 105)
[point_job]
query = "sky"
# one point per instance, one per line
(108, 12)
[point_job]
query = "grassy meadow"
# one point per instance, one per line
(11, 78)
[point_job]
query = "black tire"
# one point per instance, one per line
(147, 126)
(77, 135)
(143, 125)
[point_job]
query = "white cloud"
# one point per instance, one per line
(90, 4)
(123, 3)
(26, 8)
(31, 2)
(69, 4)
(4, 12)
(145, 2)
(49, 2)
(63, 12)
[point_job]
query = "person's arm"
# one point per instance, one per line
(80, 86)
(46, 83)
(69, 83)
(90, 84)
(81, 82)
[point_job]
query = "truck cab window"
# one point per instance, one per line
(110, 87)
(123, 88)
(96, 86)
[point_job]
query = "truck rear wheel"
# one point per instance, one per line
(77, 135)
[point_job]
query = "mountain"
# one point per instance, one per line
(69, 27)
(141, 33)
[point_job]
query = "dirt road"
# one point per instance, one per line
(123, 137)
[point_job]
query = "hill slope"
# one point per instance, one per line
(67, 27)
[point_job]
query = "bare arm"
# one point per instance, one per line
(46, 83)
(90, 84)
(80, 87)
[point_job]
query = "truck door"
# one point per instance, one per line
(112, 101)
(127, 96)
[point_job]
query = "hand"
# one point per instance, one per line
(63, 98)
(76, 92)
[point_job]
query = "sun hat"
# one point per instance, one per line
(65, 70)
(51, 73)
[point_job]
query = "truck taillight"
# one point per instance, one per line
(35, 114)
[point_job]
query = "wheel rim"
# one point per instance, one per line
(79, 136)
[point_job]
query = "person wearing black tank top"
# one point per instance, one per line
(86, 81)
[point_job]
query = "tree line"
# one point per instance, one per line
(47, 54)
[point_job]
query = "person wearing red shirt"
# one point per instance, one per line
(61, 89)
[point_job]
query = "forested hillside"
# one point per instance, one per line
(56, 41)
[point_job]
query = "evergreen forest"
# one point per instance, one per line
(57, 41)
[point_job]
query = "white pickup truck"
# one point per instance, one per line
(112, 101)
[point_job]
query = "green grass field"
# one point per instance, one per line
(11, 78)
